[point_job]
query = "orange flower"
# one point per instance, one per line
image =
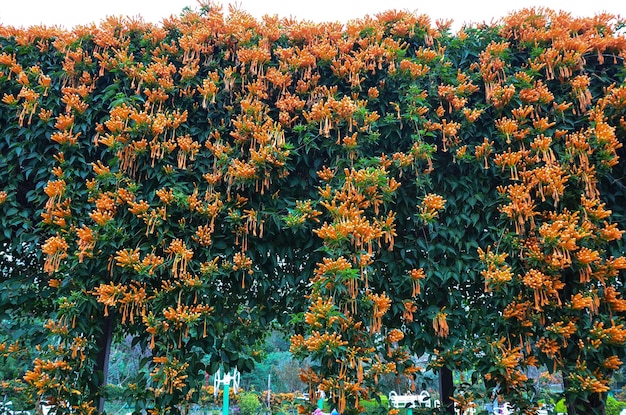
(127, 258)
(188, 148)
(100, 169)
(416, 275)
(181, 254)
(106, 203)
(430, 207)
(508, 127)
(610, 232)
(580, 90)
(86, 242)
(612, 363)
(55, 189)
(497, 272)
(472, 114)
(65, 122)
(440, 324)
(328, 342)
(65, 137)
(243, 263)
(321, 312)
(580, 301)
(55, 249)
(203, 235)
(395, 336)
(409, 309)
(510, 159)
(101, 218)
(9, 99)
(483, 151)
(45, 115)
(433, 202)
(612, 297)
(592, 384)
(382, 303)
(138, 208)
(519, 311)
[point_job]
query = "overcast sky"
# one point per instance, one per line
(69, 13)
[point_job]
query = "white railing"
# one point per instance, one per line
(412, 400)
(6, 407)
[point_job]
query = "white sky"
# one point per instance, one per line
(69, 13)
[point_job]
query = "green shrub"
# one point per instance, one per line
(372, 406)
(249, 403)
(613, 406)
(560, 407)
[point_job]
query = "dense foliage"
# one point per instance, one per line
(383, 189)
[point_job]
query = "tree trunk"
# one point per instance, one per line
(446, 387)
(102, 361)
(594, 406)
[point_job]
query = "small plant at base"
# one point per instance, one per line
(249, 403)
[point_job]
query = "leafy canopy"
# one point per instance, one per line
(384, 188)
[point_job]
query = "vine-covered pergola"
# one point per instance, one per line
(381, 189)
